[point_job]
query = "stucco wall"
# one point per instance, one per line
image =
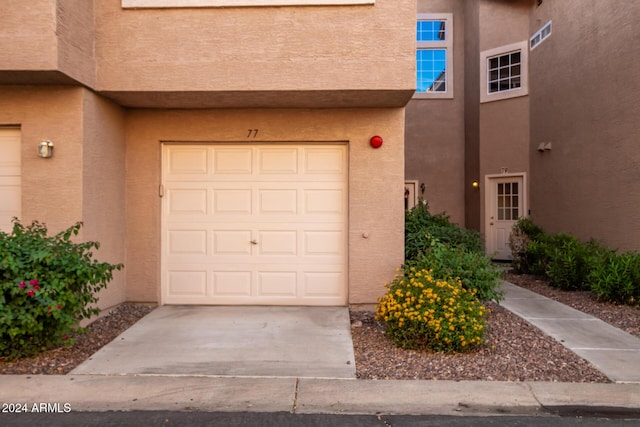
(584, 100)
(504, 124)
(51, 188)
(84, 180)
(376, 179)
(434, 133)
(255, 49)
(27, 39)
(75, 30)
(103, 187)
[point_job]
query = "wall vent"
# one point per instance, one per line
(540, 35)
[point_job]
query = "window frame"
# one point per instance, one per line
(446, 45)
(523, 90)
(149, 4)
(541, 35)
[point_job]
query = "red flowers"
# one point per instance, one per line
(33, 284)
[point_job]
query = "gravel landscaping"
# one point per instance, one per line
(515, 350)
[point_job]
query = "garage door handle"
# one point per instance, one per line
(254, 242)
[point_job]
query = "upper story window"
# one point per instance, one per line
(503, 72)
(227, 3)
(540, 35)
(434, 56)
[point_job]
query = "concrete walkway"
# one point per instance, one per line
(256, 341)
(613, 352)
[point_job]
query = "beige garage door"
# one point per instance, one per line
(254, 224)
(10, 177)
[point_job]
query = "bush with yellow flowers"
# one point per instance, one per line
(421, 312)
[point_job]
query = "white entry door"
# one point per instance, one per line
(10, 177)
(254, 224)
(505, 204)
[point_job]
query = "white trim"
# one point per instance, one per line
(412, 197)
(446, 44)
(523, 90)
(226, 3)
(488, 202)
(540, 36)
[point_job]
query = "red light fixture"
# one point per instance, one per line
(376, 141)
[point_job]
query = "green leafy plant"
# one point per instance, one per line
(568, 263)
(47, 285)
(421, 312)
(616, 277)
(474, 270)
(421, 225)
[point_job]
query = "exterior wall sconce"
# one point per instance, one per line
(544, 146)
(45, 149)
(475, 185)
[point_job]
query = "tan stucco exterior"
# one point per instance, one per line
(584, 101)
(298, 74)
(580, 101)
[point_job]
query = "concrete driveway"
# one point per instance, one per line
(255, 341)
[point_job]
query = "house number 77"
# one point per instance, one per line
(252, 133)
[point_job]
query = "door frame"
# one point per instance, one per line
(489, 194)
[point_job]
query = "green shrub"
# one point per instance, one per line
(524, 233)
(616, 278)
(474, 270)
(568, 263)
(47, 285)
(421, 312)
(421, 225)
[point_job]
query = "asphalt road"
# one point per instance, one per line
(282, 419)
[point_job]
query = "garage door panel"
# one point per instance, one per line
(267, 224)
(278, 161)
(324, 243)
(232, 201)
(188, 161)
(278, 242)
(323, 283)
(190, 242)
(236, 160)
(232, 242)
(277, 283)
(329, 160)
(232, 283)
(323, 202)
(187, 201)
(187, 282)
(278, 202)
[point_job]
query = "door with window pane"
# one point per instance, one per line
(506, 205)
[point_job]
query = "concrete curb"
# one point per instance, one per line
(314, 396)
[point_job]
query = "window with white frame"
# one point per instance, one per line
(434, 56)
(540, 35)
(227, 3)
(503, 72)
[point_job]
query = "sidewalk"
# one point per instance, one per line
(615, 353)
(332, 396)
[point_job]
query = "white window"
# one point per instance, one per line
(540, 35)
(503, 72)
(226, 3)
(434, 56)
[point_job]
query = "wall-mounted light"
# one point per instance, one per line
(45, 149)
(544, 146)
(423, 187)
(475, 185)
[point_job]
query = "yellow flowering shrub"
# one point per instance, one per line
(421, 312)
